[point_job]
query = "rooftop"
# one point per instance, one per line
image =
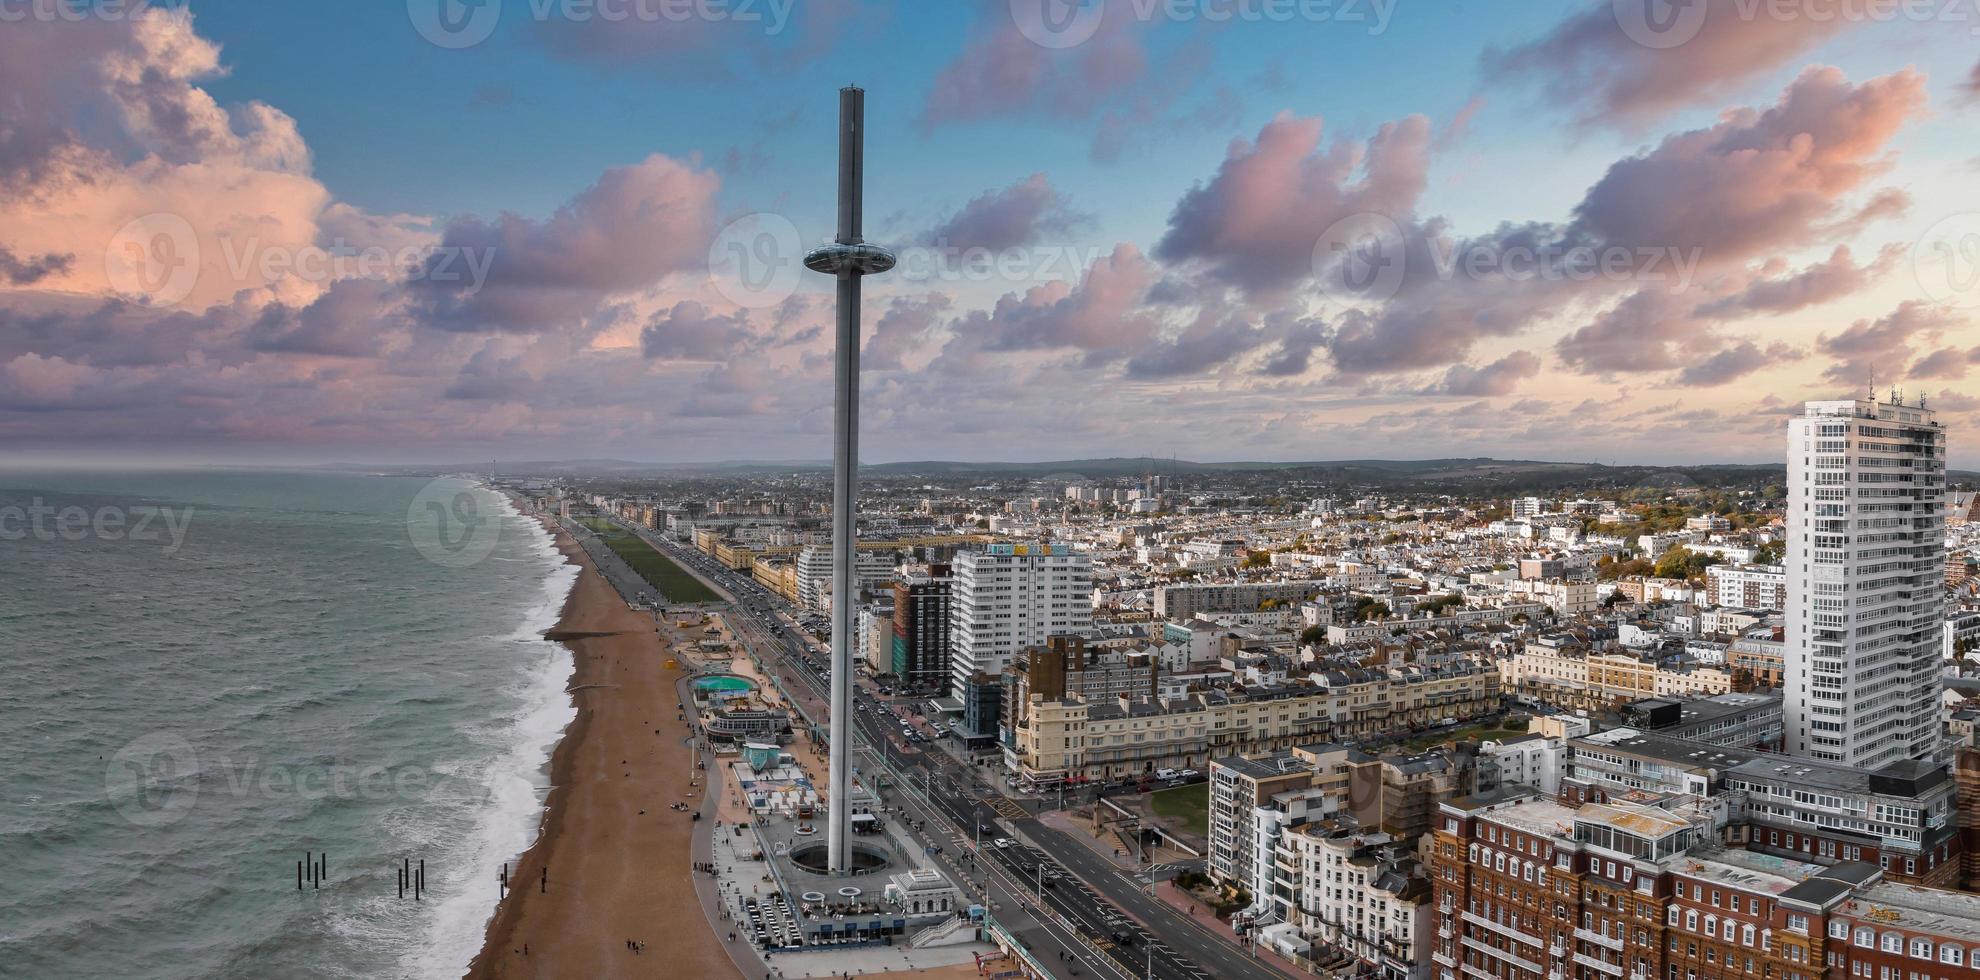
(1523, 812)
(1647, 822)
(1935, 910)
(1678, 751)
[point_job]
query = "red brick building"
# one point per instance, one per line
(1531, 889)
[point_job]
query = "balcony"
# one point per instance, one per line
(1441, 958)
(1597, 938)
(1500, 954)
(1502, 929)
(1613, 969)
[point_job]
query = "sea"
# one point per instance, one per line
(210, 679)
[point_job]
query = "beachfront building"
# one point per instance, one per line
(1238, 785)
(1007, 597)
(1052, 739)
(1526, 889)
(1360, 894)
(872, 565)
(1866, 552)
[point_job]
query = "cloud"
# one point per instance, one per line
(1650, 330)
(909, 321)
(1207, 342)
(1834, 278)
(690, 331)
(1946, 362)
(1612, 64)
(1501, 377)
(1869, 348)
(32, 381)
(1001, 72)
(1021, 214)
(232, 184)
(351, 319)
(26, 272)
(1256, 224)
(1294, 354)
(1103, 314)
(1734, 362)
(633, 227)
(1758, 180)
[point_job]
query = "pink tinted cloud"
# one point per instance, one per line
(1629, 62)
(1104, 314)
(633, 227)
(1831, 279)
(1020, 214)
(1001, 72)
(1759, 180)
(1257, 221)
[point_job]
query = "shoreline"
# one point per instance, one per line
(615, 852)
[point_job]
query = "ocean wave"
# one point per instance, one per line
(516, 782)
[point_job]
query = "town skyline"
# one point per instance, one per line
(1210, 245)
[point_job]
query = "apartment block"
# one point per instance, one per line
(1009, 597)
(1866, 551)
(1526, 889)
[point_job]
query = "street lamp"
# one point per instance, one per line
(848, 258)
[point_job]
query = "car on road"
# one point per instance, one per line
(1003, 842)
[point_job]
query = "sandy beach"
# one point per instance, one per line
(615, 873)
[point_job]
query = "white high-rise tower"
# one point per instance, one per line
(1866, 548)
(1008, 597)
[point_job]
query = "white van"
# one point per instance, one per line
(1165, 774)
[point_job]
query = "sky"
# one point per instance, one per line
(234, 231)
